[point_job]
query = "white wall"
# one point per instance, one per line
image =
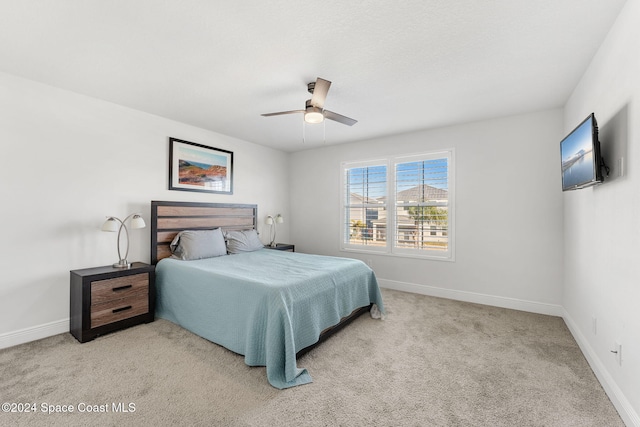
(508, 211)
(68, 161)
(602, 224)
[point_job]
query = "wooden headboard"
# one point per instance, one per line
(169, 218)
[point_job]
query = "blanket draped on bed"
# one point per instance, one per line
(266, 305)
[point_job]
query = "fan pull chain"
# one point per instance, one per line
(324, 132)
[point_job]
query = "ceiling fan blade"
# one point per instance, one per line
(282, 112)
(339, 118)
(320, 92)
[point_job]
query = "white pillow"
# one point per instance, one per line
(242, 241)
(198, 244)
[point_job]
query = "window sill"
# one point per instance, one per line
(447, 258)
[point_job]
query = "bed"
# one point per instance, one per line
(267, 305)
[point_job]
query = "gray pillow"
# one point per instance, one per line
(242, 241)
(198, 244)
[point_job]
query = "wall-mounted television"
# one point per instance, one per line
(581, 160)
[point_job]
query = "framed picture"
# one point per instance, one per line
(196, 167)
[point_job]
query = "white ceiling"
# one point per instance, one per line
(396, 66)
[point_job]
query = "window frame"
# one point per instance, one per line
(390, 248)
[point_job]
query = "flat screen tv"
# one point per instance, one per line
(581, 160)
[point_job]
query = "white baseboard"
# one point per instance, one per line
(617, 397)
(34, 333)
(496, 301)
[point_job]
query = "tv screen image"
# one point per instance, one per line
(580, 152)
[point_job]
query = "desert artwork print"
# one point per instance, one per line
(196, 167)
(202, 174)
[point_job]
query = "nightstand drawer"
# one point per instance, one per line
(119, 309)
(120, 287)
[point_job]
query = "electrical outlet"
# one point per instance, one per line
(617, 352)
(621, 167)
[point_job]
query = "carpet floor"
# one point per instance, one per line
(430, 362)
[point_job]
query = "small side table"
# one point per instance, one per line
(282, 247)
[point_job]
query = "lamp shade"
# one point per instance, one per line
(268, 220)
(279, 219)
(111, 225)
(137, 222)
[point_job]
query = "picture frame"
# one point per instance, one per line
(197, 167)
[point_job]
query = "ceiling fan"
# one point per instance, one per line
(314, 111)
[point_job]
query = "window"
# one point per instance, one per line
(400, 206)
(421, 191)
(365, 205)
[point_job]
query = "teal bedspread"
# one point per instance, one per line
(266, 305)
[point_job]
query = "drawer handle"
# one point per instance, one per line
(122, 288)
(118, 310)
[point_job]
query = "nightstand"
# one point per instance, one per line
(282, 247)
(107, 299)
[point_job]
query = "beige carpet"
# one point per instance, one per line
(431, 362)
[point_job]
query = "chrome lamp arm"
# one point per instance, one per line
(111, 224)
(271, 221)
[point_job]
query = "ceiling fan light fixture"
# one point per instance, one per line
(314, 111)
(313, 115)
